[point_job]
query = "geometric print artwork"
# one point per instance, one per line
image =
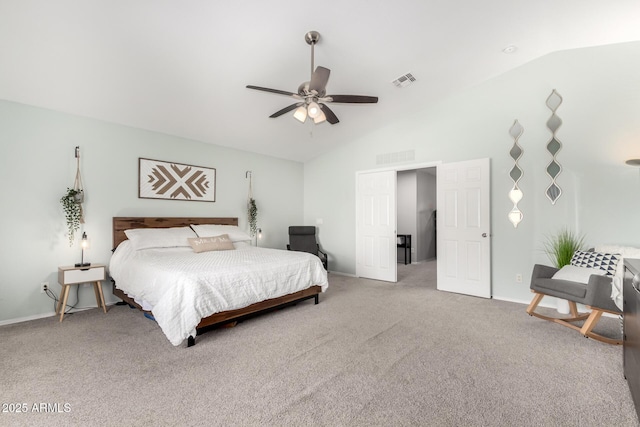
(175, 181)
(603, 261)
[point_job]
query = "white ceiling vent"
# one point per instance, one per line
(404, 80)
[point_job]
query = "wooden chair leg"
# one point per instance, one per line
(591, 322)
(534, 303)
(565, 321)
(573, 309)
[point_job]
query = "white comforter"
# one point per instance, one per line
(182, 287)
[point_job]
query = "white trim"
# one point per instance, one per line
(338, 273)
(26, 319)
(404, 167)
(42, 316)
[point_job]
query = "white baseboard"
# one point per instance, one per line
(338, 273)
(26, 319)
(43, 315)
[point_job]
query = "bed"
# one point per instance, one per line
(188, 293)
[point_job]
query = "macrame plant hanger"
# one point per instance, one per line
(77, 185)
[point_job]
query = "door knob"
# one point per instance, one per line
(484, 234)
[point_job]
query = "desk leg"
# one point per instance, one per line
(63, 298)
(97, 288)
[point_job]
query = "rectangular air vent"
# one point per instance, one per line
(404, 80)
(399, 157)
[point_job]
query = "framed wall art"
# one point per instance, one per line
(174, 181)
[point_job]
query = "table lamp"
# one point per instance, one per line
(84, 243)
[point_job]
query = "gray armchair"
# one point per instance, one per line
(303, 239)
(595, 294)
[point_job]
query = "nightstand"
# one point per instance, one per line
(68, 276)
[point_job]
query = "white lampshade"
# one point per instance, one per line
(314, 110)
(301, 114)
(320, 118)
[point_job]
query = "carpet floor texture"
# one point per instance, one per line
(370, 354)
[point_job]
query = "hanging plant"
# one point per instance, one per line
(72, 212)
(252, 213)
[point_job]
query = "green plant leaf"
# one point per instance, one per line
(561, 247)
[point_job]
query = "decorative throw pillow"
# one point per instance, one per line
(209, 230)
(215, 243)
(604, 261)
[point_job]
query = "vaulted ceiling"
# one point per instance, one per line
(181, 67)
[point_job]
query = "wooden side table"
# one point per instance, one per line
(68, 276)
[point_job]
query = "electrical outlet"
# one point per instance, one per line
(518, 278)
(44, 287)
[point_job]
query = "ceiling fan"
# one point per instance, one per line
(312, 94)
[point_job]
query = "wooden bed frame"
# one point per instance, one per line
(120, 224)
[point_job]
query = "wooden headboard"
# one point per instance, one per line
(125, 223)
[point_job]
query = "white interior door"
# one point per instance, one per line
(463, 218)
(376, 245)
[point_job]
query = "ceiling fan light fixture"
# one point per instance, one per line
(320, 118)
(301, 114)
(314, 110)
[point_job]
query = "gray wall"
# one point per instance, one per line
(601, 90)
(37, 164)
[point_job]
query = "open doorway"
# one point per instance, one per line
(462, 229)
(417, 226)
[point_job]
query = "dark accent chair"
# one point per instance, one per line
(302, 238)
(595, 294)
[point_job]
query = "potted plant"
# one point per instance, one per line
(252, 213)
(72, 211)
(561, 247)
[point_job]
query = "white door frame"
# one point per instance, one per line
(397, 168)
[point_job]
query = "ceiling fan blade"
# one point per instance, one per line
(331, 117)
(354, 99)
(319, 80)
(286, 109)
(279, 92)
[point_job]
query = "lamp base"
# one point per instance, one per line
(83, 264)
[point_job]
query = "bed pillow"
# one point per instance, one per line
(146, 238)
(210, 230)
(242, 244)
(215, 243)
(577, 274)
(604, 261)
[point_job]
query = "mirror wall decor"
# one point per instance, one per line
(553, 147)
(515, 195)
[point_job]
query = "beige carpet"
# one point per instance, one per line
(371, 353)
